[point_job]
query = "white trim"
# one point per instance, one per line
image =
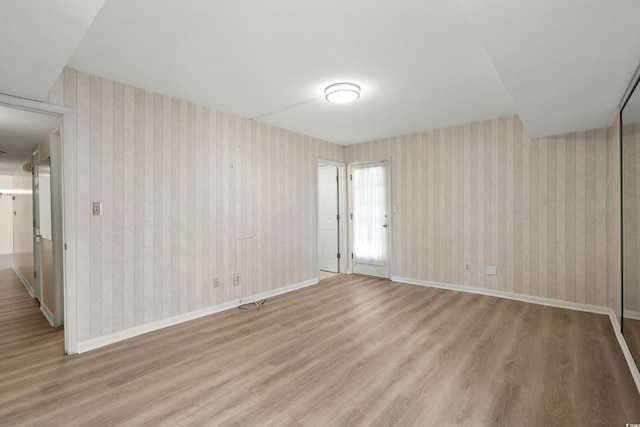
(68, 168)
(23, 280)
(68, 181)
(31, 105)
(323, 162)
(508, 295)
(632, 314)
(47, 313)
(160, 324)
(6, 253)
(279, 291)
(635, 374)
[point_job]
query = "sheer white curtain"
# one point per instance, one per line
(369, 209)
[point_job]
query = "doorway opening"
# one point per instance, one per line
(332, 230)
(49, 172)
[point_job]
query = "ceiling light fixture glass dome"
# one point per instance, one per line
(342, 93)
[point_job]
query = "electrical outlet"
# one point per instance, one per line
(236, 279)
(466, 267)
(216, 282)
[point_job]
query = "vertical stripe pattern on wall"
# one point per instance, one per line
(189, 194)
(485, 193)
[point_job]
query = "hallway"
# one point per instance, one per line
(26, 336)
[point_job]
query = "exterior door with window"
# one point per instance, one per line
(369, 218)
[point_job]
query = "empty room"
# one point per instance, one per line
(288, 213)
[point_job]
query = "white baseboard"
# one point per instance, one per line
(47, 313)
(508, 295)
(23, 280)
(632, 314)
(542, 301)
(160, 324)
(635, 373)
(279, 291)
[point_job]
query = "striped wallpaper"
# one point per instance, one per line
(486, 194)
(189, 194)
(631, 198)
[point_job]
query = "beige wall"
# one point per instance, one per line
(22, 223)
(189, 194)
(486, 194)
(6, 217)
(631, 197)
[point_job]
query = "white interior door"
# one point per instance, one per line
(46, 272)
(369, 218)
(37, 248)
(328, 219)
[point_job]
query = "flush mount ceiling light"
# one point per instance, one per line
(341, 93)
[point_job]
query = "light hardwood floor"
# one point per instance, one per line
(349, 351)
(327, 274)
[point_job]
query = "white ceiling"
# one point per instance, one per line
(420, 64)
(561, 65)
(38, 37)
(565, 63)
(20, 132)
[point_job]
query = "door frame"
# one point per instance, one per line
(342, 211)
(389, 214)
(63, 191)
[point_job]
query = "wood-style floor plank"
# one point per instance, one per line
(351, 350)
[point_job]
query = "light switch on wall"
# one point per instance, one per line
(492, 270)
(96, 208)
